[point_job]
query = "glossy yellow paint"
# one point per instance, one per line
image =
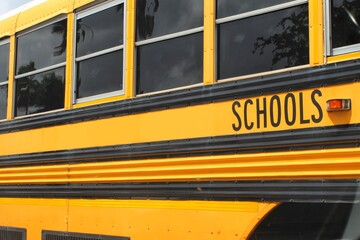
(344, 57)
(138, 219)
(11, 88)
(42, 12)
(99, 101)
(206, 120)
(319, 164)
(69, 61)
(81, 3)
(316, 32)
(209, 42)
(7, 26)
(34, 215)
(130, 49)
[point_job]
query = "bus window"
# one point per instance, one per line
(310, 221)
(40, 69)
(4, 72)
(169, 42)
(99, 51)
(259, 36)
(344, 20)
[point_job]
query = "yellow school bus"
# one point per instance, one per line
(180, 119)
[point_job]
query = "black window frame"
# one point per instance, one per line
(251, 14)
(5, 82)
(85, 12)
(171, 35)
(42, 69)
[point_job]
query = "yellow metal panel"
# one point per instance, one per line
(160, 204)
(34, 214)
(209, 41)
(80, 3)
(7, 26)
(214, 119)
(160, 221)
(316, 31)
(130, 49)
(99, 101)
(319, 164)
(343, 57)
(69, 61)
(11, 83)
(137, 219)
(42, 12)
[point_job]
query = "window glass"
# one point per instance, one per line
(106, 67)
(345, 22)
(41, 48)
(155, 18)
(40, 92)
(100, 31)
(226, 8)
(4, 72)
(3, 100)
(173, 61)
(99, 51)
(4, 62)
(170, 64)
(310, 221)
(265, 42)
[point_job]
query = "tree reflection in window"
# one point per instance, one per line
(40, 92)
(265, 42)
(291, 44)
(40, 69)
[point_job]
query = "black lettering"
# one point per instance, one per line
(287, 114)
(247, 125)
(236, 126)
(261, 112)
(272, 118)
(302, 120)
(317, 105)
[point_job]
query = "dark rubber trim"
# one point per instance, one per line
(269, 191)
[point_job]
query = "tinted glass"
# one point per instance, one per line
(227, 8)
(345, 19)
(40, 93)
(160, 17)
(100, 30)
(169, 64)
(310, 221)
(3, 101)
(99, 75)
(41, 48)
(265, 42)
(4, 62)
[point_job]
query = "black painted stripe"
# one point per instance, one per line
(314, 77)
(270, 191)
(311, 138)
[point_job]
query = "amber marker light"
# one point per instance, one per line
(338, 105)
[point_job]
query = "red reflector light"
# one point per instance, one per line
(338, 105)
